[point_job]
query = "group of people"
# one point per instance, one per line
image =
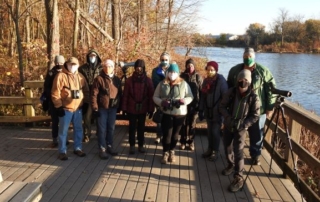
(239, 105)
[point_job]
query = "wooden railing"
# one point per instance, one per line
(297, 118)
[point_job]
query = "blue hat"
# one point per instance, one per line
(174, 68)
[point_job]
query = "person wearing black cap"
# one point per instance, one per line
(240, 107)
(261, 79)
(213, 87)
(90, 70)
(194, 80)
(137, 103)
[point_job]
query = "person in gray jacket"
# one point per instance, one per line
(172, 94)
(240, 107)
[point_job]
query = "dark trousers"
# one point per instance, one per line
(188, 130)
(233, 147)
(136, 123)
(171, 126)
(55, 122)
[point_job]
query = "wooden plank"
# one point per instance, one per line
(18, 100)
(173, 194)
(4, 185)
(33, 84)
(23, 119)
(12, 190)
(31, 192)
(184, 177)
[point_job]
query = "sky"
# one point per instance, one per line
(234, 16)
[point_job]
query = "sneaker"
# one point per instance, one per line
(79, 153)
(214, 156)
(86, 138)
(236, 184)
(111, 151)
(182, 146)
(172, 157)
(63, 156)
(191, 146)
(165, 157)
(228, 170)
(157, 140)
(103, 154)
(132, 150)
(207, 153)
(256, 161)
(142, 149)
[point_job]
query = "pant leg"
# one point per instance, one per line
(141, 129)
(77, 129)
(111, 123)
(55, 123)
(256, 136)
(210, 133)
(192, 126)
(159, 130)
(228, 146)
(87, 122)
(64, 123)
(216, 135)
(177, 124)
(183, 132)
(167, 126)
(238, 145)
(102, 128)
(132, 128)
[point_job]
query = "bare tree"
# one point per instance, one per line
(281, 23)
(76, 28)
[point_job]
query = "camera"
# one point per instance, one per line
(172, 103)
(75, 94)
(284, 93)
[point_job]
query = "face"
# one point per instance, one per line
(108, 69)
(92, 58)
(248, 61)
(211, 72)
(164, 60)
(139, 70)
(190, 68)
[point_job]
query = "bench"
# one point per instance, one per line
(19, 191)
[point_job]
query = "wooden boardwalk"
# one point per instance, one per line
(25, 155)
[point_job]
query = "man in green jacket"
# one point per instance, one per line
(261, 77)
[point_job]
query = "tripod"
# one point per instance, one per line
(276, 114)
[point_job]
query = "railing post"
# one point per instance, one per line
(28, 109)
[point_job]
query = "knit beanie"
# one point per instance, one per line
(109, 62)
(213, 64)
(190, 61)
(173, 68)
(249, 51)
(59, 59)
(244, 74)
(140, 63)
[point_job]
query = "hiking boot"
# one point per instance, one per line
(182, 146)
(142, 149)
(103, 154)
(172, 157)
(165, 157)
(67, 143)
(86, 138)
(157, 140)
(191, 146)
(79, 153)
(207, 153)
(132, 150)
(228, 170)
(63, 156)
(54, 145)
(236, 184)
(214, 156)
(111, 151)
(256, 161)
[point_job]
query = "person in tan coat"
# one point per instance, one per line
(70, 97)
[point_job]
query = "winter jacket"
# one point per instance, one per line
(210, 100)
(48, 82)
(157, 75)
(64, 84)
(195, 82)
(106, 92)
(239, 111)
(261, 77)
(173, 92)
(91, 70)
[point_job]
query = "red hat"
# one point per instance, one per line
(213, 64)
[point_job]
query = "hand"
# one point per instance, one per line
(85, 107)
(165, 104)
(269, 113)
(96, 113)
(181, 101)
(150, 114)
(201, 115)
(60, 112)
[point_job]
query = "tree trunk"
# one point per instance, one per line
(27, 24)
(115, 20)
(169, 24)
(143, 18)
(139, 17)
(75, 29)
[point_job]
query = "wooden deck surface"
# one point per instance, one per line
(25, 155)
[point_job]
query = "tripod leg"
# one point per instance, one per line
(274, 139)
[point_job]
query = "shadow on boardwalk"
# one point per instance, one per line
(25, 155)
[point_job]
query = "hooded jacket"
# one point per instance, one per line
(157, 75)
(195, 82)
(62, 87)
(106, 92)
(91, 70)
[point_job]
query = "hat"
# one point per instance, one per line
(190, 61)
(109, 62)
(140, 63)
(245, 74)
(213, 64)
(174, 68)
(59, 59)
(73, 60)
(249, 51)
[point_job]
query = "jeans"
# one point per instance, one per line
(171, 126)
(188, 130)
(136, 124)
(87, 122)
(233, 146)
(214, 134)
(76, 119)
(106, 126)
(256, 136)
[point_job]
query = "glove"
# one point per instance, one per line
(201, 115)
(60, 112)
(85, 107)
(181, 101)
(96, 113)
(150, 114)
(124, 113)
(165, 104)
